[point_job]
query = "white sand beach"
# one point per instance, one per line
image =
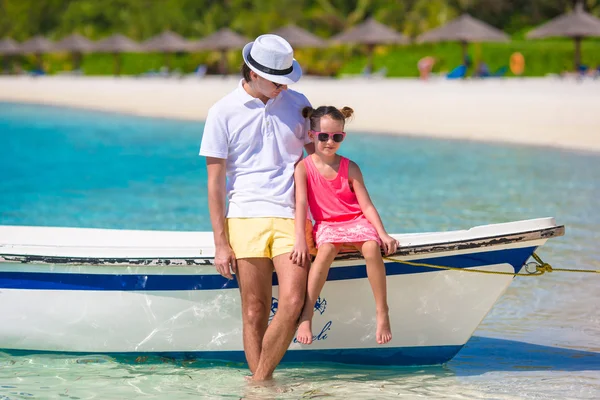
(549, 111)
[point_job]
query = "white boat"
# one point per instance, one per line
(125, 292)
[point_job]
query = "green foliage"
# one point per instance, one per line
(141, 19)
(541, 57)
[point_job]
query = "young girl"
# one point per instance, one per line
(332, 186)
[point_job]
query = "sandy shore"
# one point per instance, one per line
(549, 112)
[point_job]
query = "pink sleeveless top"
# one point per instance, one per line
(331, 200)
(335, 209)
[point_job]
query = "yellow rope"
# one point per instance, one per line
(541, 268)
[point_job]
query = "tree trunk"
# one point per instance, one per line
(577, 52)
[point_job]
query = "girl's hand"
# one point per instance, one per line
(389, 244)
(300, 255)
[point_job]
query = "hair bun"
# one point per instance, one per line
(307, 112)
(347, 112)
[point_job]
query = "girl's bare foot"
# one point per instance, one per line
(304, 334)
(384, 332)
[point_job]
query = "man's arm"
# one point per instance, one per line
(224, 257)
(216, 198)
(300, 254)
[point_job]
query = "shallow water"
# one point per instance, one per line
(63, 167)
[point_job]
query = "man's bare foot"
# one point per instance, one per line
(384, 332)
(261, 380)
(304, 334)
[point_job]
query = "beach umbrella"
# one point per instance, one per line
(299, 37)
(464, 29)
(117, 44)
(8, 47)
(76, 45)
(577, 24)
(167, 42)
(370, 33)
(223, 40)
(37, 45)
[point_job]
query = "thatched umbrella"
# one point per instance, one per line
(464, 29)
(167, 42)
(8, 47)
(37, 45)
(370, 33)
(299, 37)
(76, 45)
(577, 25)
(117, 44)
(223, 40)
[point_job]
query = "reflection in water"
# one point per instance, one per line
(484, 367)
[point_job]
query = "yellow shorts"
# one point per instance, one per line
(263, 237)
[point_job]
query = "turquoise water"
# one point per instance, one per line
(64, 167)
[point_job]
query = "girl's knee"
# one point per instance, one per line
(327, 251)
(371, 249)
(329, 248)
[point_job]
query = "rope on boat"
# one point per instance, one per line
(534, 268)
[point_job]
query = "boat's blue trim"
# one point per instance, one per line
(114, 282)
(399, 356)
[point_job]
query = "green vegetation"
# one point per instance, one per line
(141, 19)
(541, 57)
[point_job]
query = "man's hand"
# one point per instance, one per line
(225, 261)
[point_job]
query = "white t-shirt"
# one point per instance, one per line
(261, 143)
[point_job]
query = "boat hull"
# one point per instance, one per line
(189, 311)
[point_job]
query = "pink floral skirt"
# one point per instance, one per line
(355, 231)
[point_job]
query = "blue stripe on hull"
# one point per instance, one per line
(396, 356)
(111, 282)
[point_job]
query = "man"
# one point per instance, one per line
(252, 140)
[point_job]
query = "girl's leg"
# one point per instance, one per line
(376, 273)
(317, 275)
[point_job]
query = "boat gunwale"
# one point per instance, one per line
(403, 251)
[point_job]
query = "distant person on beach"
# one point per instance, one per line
(517, 63)
(252, 140)
(332, 187)
(425, 65)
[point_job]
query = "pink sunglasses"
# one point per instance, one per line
(337, 137)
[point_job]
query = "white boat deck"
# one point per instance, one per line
(113, 243)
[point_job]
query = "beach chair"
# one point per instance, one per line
(500, 72)
(200, 71)
(458, 72)
(380, 73)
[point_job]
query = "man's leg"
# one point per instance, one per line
(254, 277)
(279, 334)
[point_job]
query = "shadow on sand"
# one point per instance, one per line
(482, 354)
(479, 356)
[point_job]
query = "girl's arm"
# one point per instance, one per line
(368, 208)
(300, 254)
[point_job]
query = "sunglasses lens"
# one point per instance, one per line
(323, 137)
(338, 137)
